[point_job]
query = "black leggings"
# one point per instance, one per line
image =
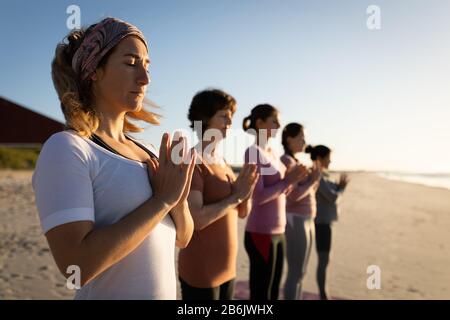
(323, 237)
(223, 292)
(265, 267)
(323, 246)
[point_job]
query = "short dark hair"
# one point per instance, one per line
(206, 103)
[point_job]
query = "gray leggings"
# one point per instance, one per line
(299, 239)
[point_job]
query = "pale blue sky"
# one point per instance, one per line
(380, 99)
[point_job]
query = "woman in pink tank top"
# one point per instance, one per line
(264, 236)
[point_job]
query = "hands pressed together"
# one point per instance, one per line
(171, 176)
(245, 183)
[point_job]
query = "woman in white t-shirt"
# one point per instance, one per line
(108, 207)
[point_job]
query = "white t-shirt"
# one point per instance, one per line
(77, 180)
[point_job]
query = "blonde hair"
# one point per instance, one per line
(76, 96)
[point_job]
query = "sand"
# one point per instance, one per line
(403, 228)
(27, 270)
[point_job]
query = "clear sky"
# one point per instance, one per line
(379, 98)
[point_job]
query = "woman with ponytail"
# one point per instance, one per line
(107, 204)
(264, 235)
(300, 212)
(327, 196)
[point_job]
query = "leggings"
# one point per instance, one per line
(299, 239)
(266, 255)
(323, 246)
(223, 292)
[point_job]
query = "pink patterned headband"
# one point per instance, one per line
(102, 38)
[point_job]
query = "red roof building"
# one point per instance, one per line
(20, 126)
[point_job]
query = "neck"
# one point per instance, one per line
(209, 148)
(262, 143)
(111, 125)
(292, 154)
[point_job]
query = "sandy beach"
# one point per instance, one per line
(403, 228)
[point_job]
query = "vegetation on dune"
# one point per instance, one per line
(18, 158)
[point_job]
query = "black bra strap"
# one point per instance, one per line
(100, 142)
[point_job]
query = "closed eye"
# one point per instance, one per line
(134, 65)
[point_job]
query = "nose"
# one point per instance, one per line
(143, 77)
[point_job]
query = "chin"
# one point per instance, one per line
(134, 107)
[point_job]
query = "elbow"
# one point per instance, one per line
(244, 210)
(243, 214)
(182, 244)
(77, 267)
(184, 237)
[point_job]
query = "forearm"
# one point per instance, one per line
(184, 224)
(104, 247)
(210, 213)
(301, 191)
(263, 194)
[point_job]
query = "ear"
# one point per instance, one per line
(259, 123)
(97, 74)
(94, 76)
